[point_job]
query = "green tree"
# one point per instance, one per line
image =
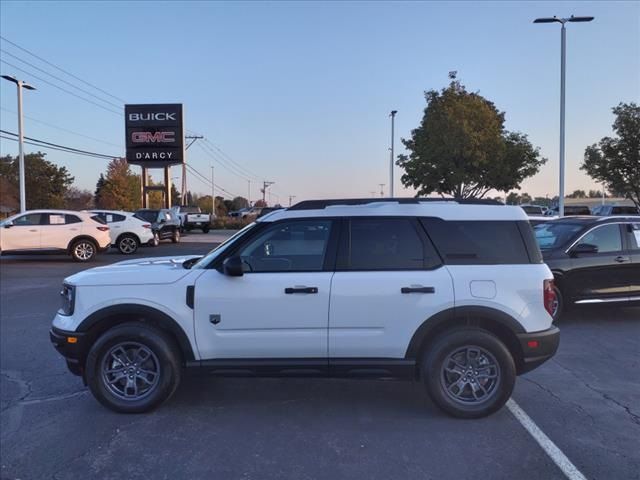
(595, 194)
(577, 194)
(77, 199)
(45, 183)
(119, 189)
(461, 148)
(616, 161)
(238, 203)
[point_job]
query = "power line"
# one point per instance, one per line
(56, 146)
(60, 79)
(62, 129)
(207, 182)
(220, 162)
(236, 164)
(61, 69)
(48, 147)
(60, 88)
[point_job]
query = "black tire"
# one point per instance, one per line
(155, 241)
(175, 238)
(206, 229)
(127, 244)
(83, 250)
(164, 359)
(560, 308)
(443, 352)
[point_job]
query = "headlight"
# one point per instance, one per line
(67, 299)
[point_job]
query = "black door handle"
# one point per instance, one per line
(289, 290)
(417, 290)
(621, 259)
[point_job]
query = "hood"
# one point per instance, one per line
(143, 271)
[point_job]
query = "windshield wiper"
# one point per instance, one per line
(190, 262)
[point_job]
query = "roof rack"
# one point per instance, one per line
(321, 204)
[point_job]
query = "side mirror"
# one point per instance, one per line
(583, 248)
(8, 225)
(232, 266)
(162, 220)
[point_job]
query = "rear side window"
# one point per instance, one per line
(68, 219)
(634, 237)
(100, 218)
(114, 217)
(477, 242)
(388, 244)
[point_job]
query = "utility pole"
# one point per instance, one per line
(21, 173)
(291, 197)
(563, 62)
(265, 185)
(393, 117)
(381, 189)
(213, 195)
(183, 198)
(249, 192)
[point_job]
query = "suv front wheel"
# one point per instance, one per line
(468, 372)
(133, 368)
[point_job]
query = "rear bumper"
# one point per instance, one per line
(74, 352)
(538, 347)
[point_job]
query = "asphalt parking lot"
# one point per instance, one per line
(586, 400)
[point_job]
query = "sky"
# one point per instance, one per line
(299, 93)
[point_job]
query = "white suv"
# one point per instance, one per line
(127, 230)
(80, 234)
(452, 295)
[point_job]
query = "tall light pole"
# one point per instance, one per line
(563, 61)
(393, 117)
(20, 84)
(213, 196)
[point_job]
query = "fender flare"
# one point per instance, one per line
(467, 315)
(82, 237)
(136, 312)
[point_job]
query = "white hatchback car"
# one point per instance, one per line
(127, 230)
(81, 234)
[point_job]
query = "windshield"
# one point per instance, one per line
(204, 261)
(147, 215)
(553, 235)
(190, 209)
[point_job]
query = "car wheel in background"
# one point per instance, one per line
(468, 372)
(558, 305)
(83, 250)
(206, 229)
(127, 244)
(175, 238)
(155, 241)
(133, 368)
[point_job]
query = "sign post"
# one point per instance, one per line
(155, 139)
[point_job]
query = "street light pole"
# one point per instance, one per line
(21, 172)
(563, 63)
(213, 196)
(393, 117)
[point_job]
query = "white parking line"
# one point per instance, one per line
(551, 449)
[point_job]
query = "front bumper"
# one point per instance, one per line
(537, 348)
(73, 346)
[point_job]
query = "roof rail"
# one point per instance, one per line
(321, 204)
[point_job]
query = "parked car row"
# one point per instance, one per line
(84, 234)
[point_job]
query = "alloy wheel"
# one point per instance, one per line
(470, 375)
(130, 371)
(84, 250)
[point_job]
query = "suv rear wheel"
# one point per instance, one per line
(83, 250)
(128, 244)
(175, 238)
(133, 368)
(468, 372)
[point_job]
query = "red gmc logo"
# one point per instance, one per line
(157, 137)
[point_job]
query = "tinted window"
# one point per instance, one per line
(555, 235)
(148, 215)
(72, 219)
(387, 244)
(606, 238)
(288, 247)
(114, 217)
(634, 238)
(477, 242)
(189, 209)
(624, 210)
(531, 210)
(30, 219)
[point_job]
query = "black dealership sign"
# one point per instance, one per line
(155, 136)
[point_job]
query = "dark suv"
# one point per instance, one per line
(165, 223)
(594, 260)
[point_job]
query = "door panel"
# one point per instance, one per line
(370, 317)
(257, 319)
(633, 246)
(56, 233)
(601, 275)
(24, 234)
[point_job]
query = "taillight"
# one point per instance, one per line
(549, 296)
(103, 229)
(146, 225)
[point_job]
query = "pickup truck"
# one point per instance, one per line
(192, 218)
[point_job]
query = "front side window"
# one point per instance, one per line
(387, 244)
(298, 246)
(28, 220)
(606, 238)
